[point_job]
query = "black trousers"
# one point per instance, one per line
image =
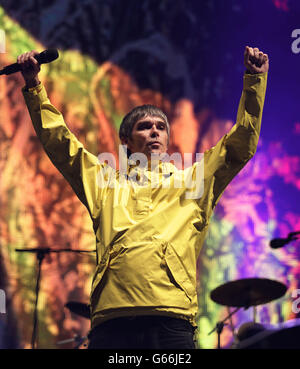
(143, 332)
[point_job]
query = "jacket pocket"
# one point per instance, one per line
(178, 271)
(98, 275)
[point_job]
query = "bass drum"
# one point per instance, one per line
(281, 336)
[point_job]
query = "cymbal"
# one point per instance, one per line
(248, 292)
(79, 308)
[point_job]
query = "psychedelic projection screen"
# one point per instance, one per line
(186, 58)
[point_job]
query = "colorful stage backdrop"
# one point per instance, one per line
(187, 58)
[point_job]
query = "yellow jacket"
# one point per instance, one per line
(148, 237)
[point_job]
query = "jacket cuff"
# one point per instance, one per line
(253, 79)
(36, 94)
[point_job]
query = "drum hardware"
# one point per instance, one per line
(244, 293)
(254, 314)
(220, 326)
(230, 320)
(41, 252)
(78, 339)
(79, 308)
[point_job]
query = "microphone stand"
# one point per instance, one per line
(40, 254)
(293, 236)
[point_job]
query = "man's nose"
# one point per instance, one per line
(154, 131)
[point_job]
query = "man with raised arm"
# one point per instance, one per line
(148, 234)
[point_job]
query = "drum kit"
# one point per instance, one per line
(251, 292)
(239, 294)
(82, 310)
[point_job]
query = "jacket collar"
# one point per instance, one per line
(159, 167)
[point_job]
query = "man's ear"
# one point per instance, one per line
(126, 141)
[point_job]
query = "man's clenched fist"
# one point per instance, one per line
(255, 60)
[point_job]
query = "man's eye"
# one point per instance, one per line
(144, 126)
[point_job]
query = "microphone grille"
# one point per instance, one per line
(48, 56)
(276, 243)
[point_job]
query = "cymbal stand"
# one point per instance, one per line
(40, 254)
(220, 325)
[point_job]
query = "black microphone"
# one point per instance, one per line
(276, 243)
(46, 56)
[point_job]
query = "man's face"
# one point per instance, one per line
(149, 136)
